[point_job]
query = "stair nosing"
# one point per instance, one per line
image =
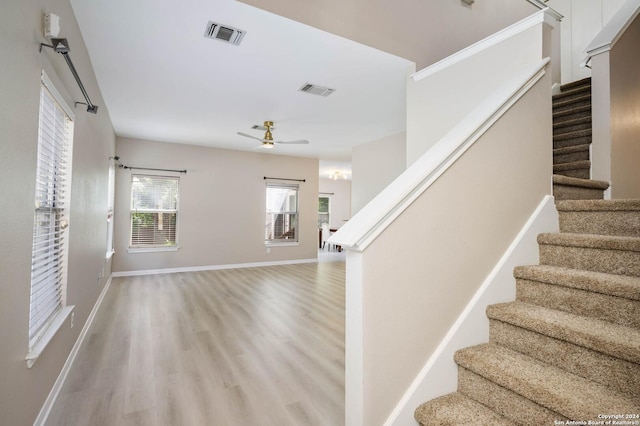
(571, 149)
(598, 205)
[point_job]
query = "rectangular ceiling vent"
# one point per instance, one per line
(316, 90)
(224, 33)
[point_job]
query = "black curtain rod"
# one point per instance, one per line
(61, 46)
(156, 170)
(327, 193)
(277, 178)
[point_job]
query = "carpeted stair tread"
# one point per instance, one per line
(583, 164)
(602, 336)
(584, 110)
(548, 386)
(571, 149)
(559, 124)
(624, 286)
(578, 83)
(457, 409)
(605, 217)
(583, 183)
(571, 153)
(562, 103)
(576, 134)
(603, 242)
(615, 373)
(572, 93)
(599, 205)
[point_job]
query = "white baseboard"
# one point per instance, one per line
(439, 375)
(211, 267)
(62, 377)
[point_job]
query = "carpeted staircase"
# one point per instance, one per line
(568, 347)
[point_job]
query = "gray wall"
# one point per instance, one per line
(222, 205)
(22, 390)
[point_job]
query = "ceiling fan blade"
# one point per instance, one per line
(299, 142)
(250, 136)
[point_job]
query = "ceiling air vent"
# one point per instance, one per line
(224, 33)
(316, 90)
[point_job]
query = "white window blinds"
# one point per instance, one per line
(154, 211)
(53, 174)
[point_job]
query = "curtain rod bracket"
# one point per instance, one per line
(61, 46)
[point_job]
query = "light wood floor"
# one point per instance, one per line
(255, 346)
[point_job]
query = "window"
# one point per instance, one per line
(154, 211)
(282, 213)
(110, 206)
(50, 226)
(323, 210)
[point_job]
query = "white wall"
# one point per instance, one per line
(222, 205)
(22, 390)
(583, 19)
(374, 165)
(339, 193)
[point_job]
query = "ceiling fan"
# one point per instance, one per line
(267, 140)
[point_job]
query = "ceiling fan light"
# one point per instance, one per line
(267, 145)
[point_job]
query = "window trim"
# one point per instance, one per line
(45, 333)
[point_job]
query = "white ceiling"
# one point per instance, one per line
(163, 80)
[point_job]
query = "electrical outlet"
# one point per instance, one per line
(268, 250)
(72, 315)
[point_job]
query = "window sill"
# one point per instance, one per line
(51, 331)
(282, 244)
(152, 249)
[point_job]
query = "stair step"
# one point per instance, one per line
(622, 286)
(570, 188)
(576, 112)
(560, 106)
(617, 374)
(578, 83)
(577, 169)
(602, 336)
(572, 93)
(570, 154)
(578, 137)
(602, 253)
(511, 376)
(561, 126)
(604, 217)
(562, 295)
(457, 409)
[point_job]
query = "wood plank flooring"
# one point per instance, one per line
(254, 346)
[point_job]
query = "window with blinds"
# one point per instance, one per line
(281, 224)
(154, 211)
(50, 228)
(323, 210)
